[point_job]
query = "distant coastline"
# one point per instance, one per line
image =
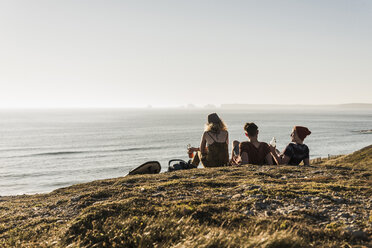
(250, 106)
(236, 106)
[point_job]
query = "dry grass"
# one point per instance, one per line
(327, 205)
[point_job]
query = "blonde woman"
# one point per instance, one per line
(213, 150)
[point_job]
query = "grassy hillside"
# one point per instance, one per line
(326, 205)
(361, 159)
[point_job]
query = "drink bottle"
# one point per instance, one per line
(273, 142)
(191, 154)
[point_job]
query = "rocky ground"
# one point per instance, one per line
(328, 204)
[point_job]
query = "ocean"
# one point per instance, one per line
(42, 150)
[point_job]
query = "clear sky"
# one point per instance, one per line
(87, 53)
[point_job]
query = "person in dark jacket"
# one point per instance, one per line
(296, 151)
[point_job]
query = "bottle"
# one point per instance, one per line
(273, 142)
(191, 154)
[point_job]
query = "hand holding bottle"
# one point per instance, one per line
(273, 142)
(190, 151)
(272, 145)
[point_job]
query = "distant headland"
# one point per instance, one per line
(286, 106)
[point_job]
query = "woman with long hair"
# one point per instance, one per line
(213, 150)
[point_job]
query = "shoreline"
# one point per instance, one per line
(313, 161)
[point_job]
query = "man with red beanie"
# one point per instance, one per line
(296, 151)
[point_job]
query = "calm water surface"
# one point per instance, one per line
(44, 150)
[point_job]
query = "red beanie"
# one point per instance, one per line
(302, 132)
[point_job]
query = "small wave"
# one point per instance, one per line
(62, 184)
(59, 153)
(10, 176)
(19, 149)
(366, 131)
(56, 153)
(133, 149)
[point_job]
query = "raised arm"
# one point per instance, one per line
(202, 147)
(279, 159)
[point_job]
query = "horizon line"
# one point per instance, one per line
(190, 106)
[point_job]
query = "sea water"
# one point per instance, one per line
(42, 150)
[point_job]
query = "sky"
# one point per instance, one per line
(167, 53)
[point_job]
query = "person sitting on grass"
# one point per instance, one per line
(213, 150)
(296, 151)
(252, 151)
